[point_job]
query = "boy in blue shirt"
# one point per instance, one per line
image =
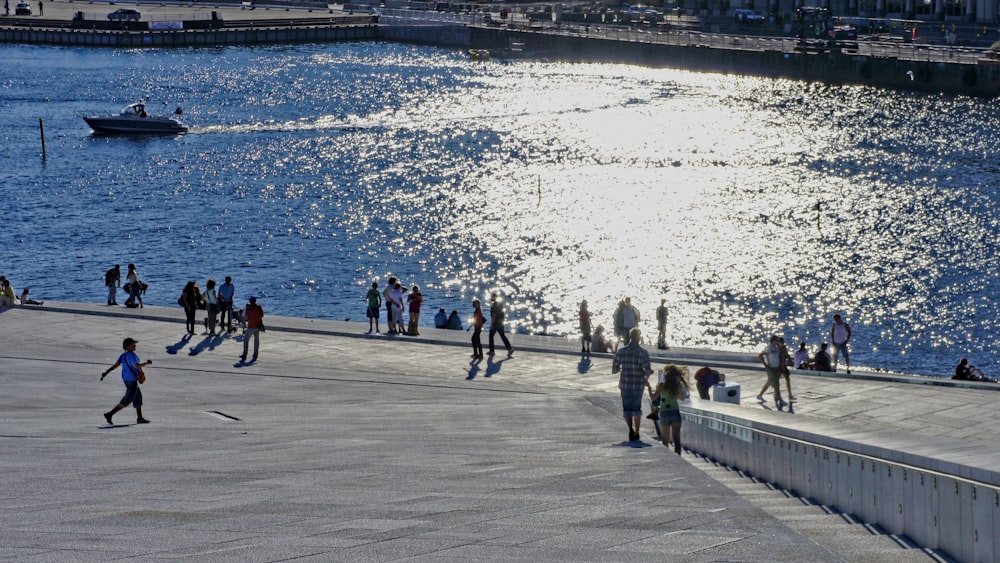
(132, 375)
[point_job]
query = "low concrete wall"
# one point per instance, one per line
(185, 38)
(938, 500)
(829, 67)
(441, 34)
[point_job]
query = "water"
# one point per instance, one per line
(751, 205)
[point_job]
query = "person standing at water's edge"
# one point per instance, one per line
(132, 375)
(190, 296)
(135, 287)
(226, 293)
(387, 299)
(632, 365)
(414, 300)
(112, 281)
(661, 325)
(374, 299)
(840, 335)
(254, 314)
(497, 318)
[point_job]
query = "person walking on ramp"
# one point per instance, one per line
(132, 376)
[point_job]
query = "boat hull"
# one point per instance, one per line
(135, 125)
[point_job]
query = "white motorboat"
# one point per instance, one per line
(134, 119)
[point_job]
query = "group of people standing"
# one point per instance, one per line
(396, 298)
(393, 297)
(625, 318)
(220, 314)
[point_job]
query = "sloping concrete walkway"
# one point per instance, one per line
(339, 446)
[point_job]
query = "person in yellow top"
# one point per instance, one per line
(7, 298)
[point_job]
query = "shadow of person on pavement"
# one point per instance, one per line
(179, 345)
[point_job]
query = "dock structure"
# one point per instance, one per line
(873, 61)
(344, 445)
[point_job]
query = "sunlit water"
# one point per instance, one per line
(751, 205)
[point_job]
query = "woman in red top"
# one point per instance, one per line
(414, 299)
(478, 320)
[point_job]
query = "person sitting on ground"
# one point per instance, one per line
(823, 361)
(963, 371)
(801, 360)
(7, 298)
(25, 300)
(441, 319)
(454, 322)
(601, 344)
(705, 378)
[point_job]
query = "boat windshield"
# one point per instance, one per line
(137, 109)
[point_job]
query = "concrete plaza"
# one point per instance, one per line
(340, 446)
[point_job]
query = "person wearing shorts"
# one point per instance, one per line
(374, 299)
(632, 365)
(840, 335)
(770, 357)
(131, 372)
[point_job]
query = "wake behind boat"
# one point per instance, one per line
(134, 119)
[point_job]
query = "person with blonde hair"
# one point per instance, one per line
(672, 389)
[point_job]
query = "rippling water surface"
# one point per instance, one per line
(751, 205)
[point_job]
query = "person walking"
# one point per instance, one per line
(672, 390)
(132, 376)
(190, 296)
(226, 293)
(374, 300)
(414, 300)
(840, 335)
(770, 357)
(632, 364)
(478, 320)
(661, 325)
(586, 329)
(497, 318)
(135, 287)
(112, 281)
(254, 315)
(211, 306)
(786, 360)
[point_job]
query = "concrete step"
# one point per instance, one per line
(840, 533)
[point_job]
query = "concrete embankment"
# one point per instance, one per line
(904, 67)
(917, 460)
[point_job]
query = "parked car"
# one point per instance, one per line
(743, 15)
(22, 9)
(125, 15)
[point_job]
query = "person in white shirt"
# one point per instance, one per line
(801, 359)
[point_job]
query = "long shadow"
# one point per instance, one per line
(205, 344)
(179, 345)
(493, 366)
(473, 370)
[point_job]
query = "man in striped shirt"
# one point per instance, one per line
(632, 365)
